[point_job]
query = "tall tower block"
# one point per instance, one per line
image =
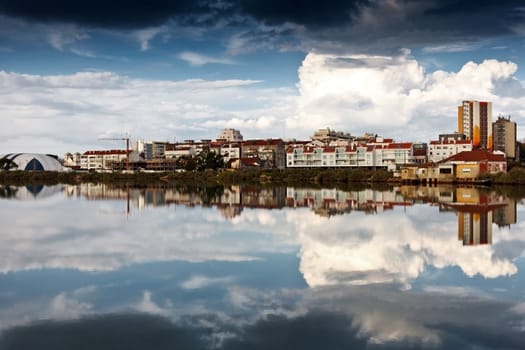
(475, 122)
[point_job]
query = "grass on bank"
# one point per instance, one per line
(295, 177)
(291, 177)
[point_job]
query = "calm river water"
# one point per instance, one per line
(98, 267)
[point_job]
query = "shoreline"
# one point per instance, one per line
(291, 177)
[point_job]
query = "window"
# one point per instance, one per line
(465, 170)
(445, 170)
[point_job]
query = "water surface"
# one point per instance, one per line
(99, 267)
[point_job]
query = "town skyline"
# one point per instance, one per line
(71, 73)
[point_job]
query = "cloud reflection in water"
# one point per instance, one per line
(265, 279)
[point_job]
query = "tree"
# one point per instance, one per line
(7, 164)
(187, 163)
(208, 159)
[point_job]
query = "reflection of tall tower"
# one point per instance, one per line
(475, 228)
(475, 122)
(505, 216)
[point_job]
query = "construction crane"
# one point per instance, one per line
(126, 138)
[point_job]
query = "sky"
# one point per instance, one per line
(73, 72)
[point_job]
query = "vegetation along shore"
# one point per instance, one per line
(289, 177)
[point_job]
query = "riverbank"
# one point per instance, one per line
(289, 177)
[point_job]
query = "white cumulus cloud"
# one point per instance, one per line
(396, 96)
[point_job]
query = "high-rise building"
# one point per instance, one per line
(504, 133)
(475, 121)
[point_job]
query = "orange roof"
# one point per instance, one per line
(478, 155)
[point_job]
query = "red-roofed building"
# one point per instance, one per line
(271, 152)
(465, 166)
(105, 159)
(377, 153)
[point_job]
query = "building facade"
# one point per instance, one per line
(465, 167)
(106, 159)
(444, 148)
(376, 153)
(504, 133)
(230, 135)
(328, 135)
(154, 150)
(475, 122)
(270, 152)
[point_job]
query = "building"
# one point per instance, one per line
(30, 162)
(504, 135)
(420, 152)
(475, 122)
(374, 153)
(154, 150)
(270, 152)
(177, 150)
(327, 135)
(230, 135)
(230, 151)
(447, 147)
(455, 136)
(465, 166)
(72, 160)
(107, 159)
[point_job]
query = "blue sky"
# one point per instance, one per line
(71, 72)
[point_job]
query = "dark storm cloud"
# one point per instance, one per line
(387, 26)
(330, 25)
(484, 16)
(138, 13)
(310, 13)
(101, 13)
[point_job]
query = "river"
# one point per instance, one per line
(100, 267)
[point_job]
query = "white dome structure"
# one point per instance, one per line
(30, 162)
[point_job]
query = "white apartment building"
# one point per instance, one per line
(72, 160)
(104, 159)
(230, 151)
(175, 151)
(444, 148)
(381, 153)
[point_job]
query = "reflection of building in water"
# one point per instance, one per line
(229, 211)
(475, 227)
(268, 197)
(327, 202)
(30, 192)
(476, 209)
(231, 200)
(505, 216)
(475, 213)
